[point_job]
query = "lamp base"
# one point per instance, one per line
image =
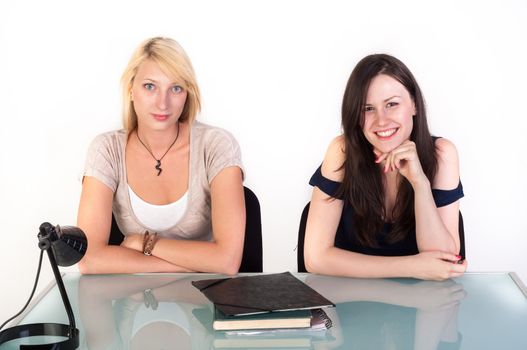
(43, 329)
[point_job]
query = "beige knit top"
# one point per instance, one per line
(211, 150)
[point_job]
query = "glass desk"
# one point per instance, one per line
(164, 311)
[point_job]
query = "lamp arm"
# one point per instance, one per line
(62, 289)
(47, 329)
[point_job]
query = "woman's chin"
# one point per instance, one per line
(384, 149)
(387, 146)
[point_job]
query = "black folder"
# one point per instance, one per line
(260, 293)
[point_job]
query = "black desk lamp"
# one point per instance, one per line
(65, 246)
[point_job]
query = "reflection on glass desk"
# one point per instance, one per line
(164, 311)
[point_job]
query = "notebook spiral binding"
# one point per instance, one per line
(319, 313)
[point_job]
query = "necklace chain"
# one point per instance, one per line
(158, 165)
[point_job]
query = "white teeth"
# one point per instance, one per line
(386, 133)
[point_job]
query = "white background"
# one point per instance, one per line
(273, 73)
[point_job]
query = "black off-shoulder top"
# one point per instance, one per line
(346, 236)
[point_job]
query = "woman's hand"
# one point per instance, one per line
(403, 158)
(134, 242)
(437, 265)
(430, 296)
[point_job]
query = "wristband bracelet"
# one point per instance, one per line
(149, 242)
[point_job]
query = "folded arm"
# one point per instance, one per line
(94, 218)
(437, 228)
(224, 253)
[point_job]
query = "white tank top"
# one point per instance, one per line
(158, 217)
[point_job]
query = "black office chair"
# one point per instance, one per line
(302, 232)
(252, 258)
(301, 235)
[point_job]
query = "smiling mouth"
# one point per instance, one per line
(386, 133)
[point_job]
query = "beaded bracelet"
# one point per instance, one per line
(149, 242)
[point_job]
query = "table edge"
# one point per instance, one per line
(518, 283)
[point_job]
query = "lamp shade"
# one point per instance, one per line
(68, 243)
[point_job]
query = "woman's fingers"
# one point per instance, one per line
(440, 266)
(457, 269)
(395, 159)
(461, 266)
(387, 164)
(380, 157)
(447, 256)
(406, 153)
(403, 159)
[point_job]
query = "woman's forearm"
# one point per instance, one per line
(117, 259)
(431, 232)
(338, 262)
(200, 255)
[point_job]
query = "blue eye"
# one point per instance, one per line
(177, 89)
(149, 86)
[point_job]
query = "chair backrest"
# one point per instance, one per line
(252, 258)
(300, 244)
(302, 232)
(461, 237)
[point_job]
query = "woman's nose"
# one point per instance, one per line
(381, 116)
(162, 100)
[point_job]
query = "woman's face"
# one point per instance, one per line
(158, 100)
(388, 114)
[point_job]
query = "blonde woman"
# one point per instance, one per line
(174, 184)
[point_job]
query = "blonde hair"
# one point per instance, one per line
(173, 60)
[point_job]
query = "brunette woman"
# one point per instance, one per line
(386, 198)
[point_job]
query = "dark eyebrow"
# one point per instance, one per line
(389, 98)
(385, 100)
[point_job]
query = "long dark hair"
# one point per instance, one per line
(362, 186)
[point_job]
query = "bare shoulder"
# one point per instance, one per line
(446, 150)
(334, 159)
(447, 176)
